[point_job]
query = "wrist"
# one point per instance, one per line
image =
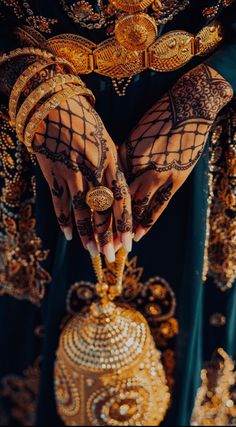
(200, 94)
(225, 89)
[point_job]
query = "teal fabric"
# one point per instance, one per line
(173, 250)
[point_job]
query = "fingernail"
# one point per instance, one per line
(117, 244)
(109, 252)
(68, 233)
(92, 248)
(139, 234)
(126, 239)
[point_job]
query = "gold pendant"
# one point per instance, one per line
(131, 6)
(136, 32)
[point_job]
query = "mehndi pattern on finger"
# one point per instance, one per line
(79, 200)
(124, 224)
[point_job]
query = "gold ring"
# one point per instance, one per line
(99, 198)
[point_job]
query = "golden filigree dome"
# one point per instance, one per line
(116, 336)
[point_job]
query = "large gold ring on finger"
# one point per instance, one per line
(99, 198)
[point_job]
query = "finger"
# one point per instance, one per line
(82, 214)
(103, 228)
(61, 203)
(154, 209)
(122, 209)
(142, 190)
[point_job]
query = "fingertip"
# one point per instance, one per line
(109, 253)
(92, 248)
(139, 234)
(117, 244)
(127, 241)
(68, 233)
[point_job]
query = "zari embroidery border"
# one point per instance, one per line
(220, 246)
(21, 254)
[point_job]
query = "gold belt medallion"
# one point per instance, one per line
(132, 6)
(109, 58)
(136, 32)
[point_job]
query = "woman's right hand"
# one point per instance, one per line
(76, 153)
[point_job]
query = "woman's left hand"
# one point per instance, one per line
(166, 144)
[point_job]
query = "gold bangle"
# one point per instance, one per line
(26, 76)
(44, 110)
(25, 51)
(36, 96)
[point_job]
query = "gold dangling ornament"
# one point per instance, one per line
(134, 29)
(108, 371)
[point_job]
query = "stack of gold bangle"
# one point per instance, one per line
(27, 117)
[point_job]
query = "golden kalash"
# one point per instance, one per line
(108, 371)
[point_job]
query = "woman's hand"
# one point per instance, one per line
(166, 144)
(75, 154)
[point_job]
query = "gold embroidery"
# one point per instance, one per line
(220, 249)
(211, 12)
(24, 12)
(154, 299)
(21, 274)
(84, 14)
(41, 23)
(16, 8)
(215, 403)
(103, 14)
(21, 392)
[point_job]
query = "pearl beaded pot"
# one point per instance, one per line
(108, 371)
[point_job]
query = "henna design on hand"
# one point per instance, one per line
(73, 134)
(57, 189)
(124, 224)
(85, 228)
(79, 200)
(120, 187)
(139, 207)
(105, 238)
(163, 194)
(64, 220)
(146, 219)
(173, 133)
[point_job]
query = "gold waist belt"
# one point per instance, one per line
(169, 52)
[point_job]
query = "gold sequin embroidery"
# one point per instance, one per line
(215, 404)
(220, 249)
(21, 273)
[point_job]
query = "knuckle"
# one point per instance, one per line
(105, 237)
(84, 227)
(64, 220)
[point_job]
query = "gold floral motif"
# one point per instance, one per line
(41, 23)
(215, 404)
(22, 392)
(220, 249)
(154, 299)
(21, 274)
